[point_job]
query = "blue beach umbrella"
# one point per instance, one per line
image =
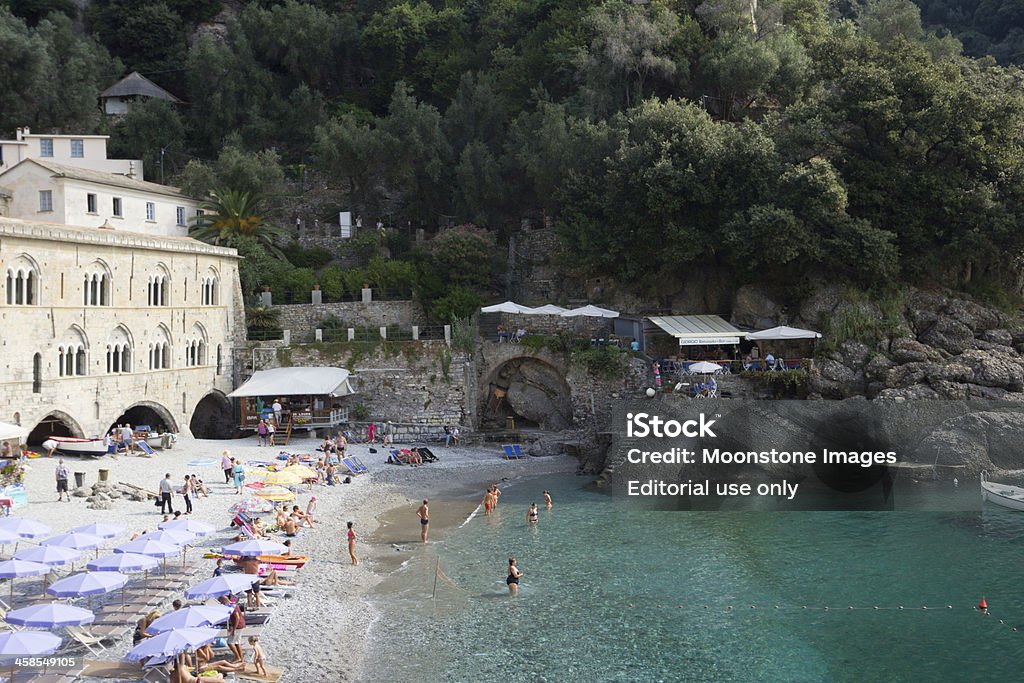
(191, 617)
(88, 584)
(49, 554)
(13, 569)
(254, 548)
(25, 528)
(101, 529)
(227, 584)
(20, 644)
(123, 562)
(171, 643)
(192, 526)
(50, 615)
(74, 540)
(150, 547)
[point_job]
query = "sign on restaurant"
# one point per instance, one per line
(707, 341)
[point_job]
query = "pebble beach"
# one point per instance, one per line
(321, 630)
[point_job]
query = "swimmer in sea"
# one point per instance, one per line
(547, 499)
(531, 516)
(424, 514)
(512, 580)
(488, 500)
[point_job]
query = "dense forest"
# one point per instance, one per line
(764, 137)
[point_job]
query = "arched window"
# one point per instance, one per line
(159, 288)
(119, 351)
(72, 353)
(98, 285)
(37, 373)
(211, 288)
(195, 346)
(22, 282)
(160, 350)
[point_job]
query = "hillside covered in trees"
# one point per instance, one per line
(761, 137)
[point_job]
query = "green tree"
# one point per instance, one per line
(150, 126)
(257, 173)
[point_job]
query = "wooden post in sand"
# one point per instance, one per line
(437, 568)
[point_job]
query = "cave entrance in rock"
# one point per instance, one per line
(56, 423)
(152, 415)
(530, 391)
(213, 418)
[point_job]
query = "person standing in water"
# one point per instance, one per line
(531, 516)
(488, 500)
(495, 494)
(352, 544)
(512, 580)
(424, 514)
(547, 499)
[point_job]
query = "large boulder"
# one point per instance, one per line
(535, 404)
(909, 350)
(977, 441)
(835, 380)
(947, 334)
(751, 307)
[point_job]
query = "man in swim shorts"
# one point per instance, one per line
(424, 514)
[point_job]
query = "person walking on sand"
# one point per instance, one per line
(512, 580)
(270, 434)
(352, 544)
(186, 493)
(166, 489)
(547, 499)
(62, 481)
(371, 433)
(424, 514)
(261, 432)
(258, 659)
(239, 473)
(128, 438)
(225, 464)
(531, 516)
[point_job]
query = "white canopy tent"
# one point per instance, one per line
(783, 332)
(321, 381)
(9, 431)
(506, 307)
(590, 311)
(547, 309)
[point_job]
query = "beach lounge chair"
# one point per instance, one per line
(351, 466)
(509, 453)
(518, 450)
(85, 638)
(359, 463)
(397, 458)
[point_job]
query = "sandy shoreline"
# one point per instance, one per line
(322, 630)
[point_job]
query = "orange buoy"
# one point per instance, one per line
(982, 605)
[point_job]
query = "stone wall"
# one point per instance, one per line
(304, 319)
(555, 324)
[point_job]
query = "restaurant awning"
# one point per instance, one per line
(9, 431)
(590, 311)
(784, 332)
(698, 330)
(321, 381)
(506, 307)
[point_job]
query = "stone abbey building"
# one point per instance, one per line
(109, 313)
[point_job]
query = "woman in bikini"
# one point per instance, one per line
(352, 544)
(512, 580)
(547, 499)
(531, 516)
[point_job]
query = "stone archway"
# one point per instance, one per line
(158, 418)
(55, 423)
(213, 418)
(528, 389)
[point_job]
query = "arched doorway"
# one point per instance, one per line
(56, 423)
(146, 413)
(529, 390)
(213, 418)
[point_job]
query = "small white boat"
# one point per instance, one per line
(74, 446)
(1002, 494)
(165, 440)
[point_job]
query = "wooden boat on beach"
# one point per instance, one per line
(1002, 494)
(70, 445)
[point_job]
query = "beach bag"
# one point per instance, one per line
(373, 450)
(158, 503)
(348, 480)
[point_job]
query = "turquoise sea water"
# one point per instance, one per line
(603, 584)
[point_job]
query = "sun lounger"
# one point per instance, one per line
(359, 463)
(518, 450)
(397, 458)
(86, 638)
(509, 452)
(352, 467)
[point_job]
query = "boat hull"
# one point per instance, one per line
(1002, 494)
(72, 446)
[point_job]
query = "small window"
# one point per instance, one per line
(150, 211)
(199, 212)
(46, 147)
(90, 203)
(77, 149)
(181, 215)
(46, 200)
(117, 207)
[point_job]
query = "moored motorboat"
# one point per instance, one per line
(70, 445)
(1002, 494)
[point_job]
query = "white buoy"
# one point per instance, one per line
(650, 392)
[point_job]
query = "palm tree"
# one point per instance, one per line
(234, 213)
